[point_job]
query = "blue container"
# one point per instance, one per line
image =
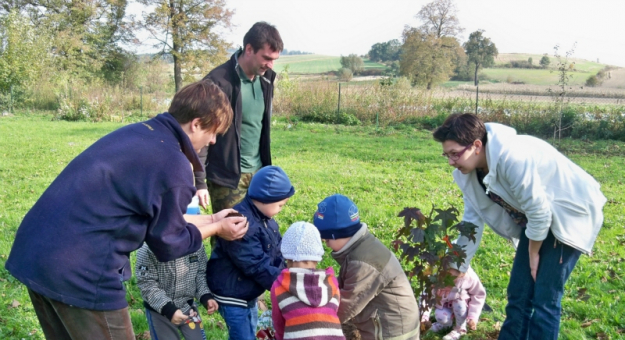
(194, 207)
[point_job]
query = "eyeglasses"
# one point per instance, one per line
(456, 156)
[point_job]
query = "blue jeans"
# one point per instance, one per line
(241, 321)
(533, 310)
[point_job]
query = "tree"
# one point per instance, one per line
(544, 61)
(530, 61)
(83, 35)
(188, 30)
(423, 243)
(386, 51)
(23, 51)
(426, 59)
(439, 18)
(353, 62)
(481, 52)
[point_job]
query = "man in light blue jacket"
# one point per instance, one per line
(531, 194)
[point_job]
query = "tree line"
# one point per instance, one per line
(83, 40)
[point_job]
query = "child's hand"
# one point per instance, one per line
(211, 306)
(443, 292)
(472, 324)
(456, 273)
(179, 318)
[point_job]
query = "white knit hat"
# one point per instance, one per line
(301, 242)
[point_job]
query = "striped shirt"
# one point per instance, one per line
(304, 305)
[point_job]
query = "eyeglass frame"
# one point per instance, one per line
(459, 154)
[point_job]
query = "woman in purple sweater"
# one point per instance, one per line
(131, 186)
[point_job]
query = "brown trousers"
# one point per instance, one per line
(60, 321)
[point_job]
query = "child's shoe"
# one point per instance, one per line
(437, 327)
(455, 334)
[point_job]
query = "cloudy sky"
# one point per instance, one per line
(341, 27)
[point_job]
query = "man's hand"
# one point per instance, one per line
(211, 306)
(202, 195)
(232, 228)
(179, 318)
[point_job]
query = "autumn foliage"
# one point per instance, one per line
(424, 245)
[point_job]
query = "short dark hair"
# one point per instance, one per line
(204, 100)
(263, 33)
(462, 128)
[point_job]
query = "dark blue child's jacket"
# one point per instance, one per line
(239, 271)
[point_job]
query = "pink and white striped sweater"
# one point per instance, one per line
(304, 304)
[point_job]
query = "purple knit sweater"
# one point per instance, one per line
(304, 304)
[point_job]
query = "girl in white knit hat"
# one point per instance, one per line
(305, 299)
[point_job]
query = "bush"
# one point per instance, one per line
(592, 81)
(345, 74)
(373, 72)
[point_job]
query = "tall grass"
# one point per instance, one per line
(396, 102)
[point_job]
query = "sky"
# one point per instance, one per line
(342, 27)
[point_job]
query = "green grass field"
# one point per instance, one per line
(533, 76)
(580, 64)
(382, 171)
(315, 64)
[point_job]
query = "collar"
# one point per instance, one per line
(257, 214)
(239, 69)
(359, 235)
(169, 122)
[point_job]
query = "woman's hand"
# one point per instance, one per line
(534, 261)
(534, 248)
(222, 214)
(232, 228)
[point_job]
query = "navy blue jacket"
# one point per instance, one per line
(132, 185)
(239, 271)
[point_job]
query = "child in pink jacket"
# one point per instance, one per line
(464, 300)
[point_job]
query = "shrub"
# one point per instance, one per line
(425, 246)
(592, 81)
(345, 74)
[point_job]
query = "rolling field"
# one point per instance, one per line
(383, 171)
(314, 64)
(580, 64)
(532, 76)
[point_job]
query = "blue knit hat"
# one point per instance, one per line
(269, 185)
(337, 217)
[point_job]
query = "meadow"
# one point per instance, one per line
(382, 169)
(315, 64)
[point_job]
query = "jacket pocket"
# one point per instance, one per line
(571, 207)
(369, 321)
(377, 327)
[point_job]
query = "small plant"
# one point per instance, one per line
(426, 247)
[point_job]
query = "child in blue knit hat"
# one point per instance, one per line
(376, 296)
(240, 271)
